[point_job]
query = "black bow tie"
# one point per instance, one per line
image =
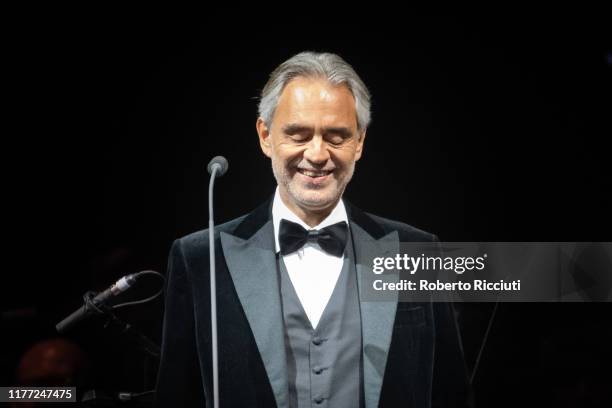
(331, 239)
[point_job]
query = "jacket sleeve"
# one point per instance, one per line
(179, 381)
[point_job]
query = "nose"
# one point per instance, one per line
(316, 151)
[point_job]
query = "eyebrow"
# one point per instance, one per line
(293, 128)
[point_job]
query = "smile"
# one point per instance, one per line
(314, 173)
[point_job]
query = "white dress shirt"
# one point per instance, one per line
(313, 272)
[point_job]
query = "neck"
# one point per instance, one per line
(312, 217)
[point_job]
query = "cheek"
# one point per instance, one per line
(288, 153)
(344, 158)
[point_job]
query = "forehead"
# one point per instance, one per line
(314, 99)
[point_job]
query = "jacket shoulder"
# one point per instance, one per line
(406, 232)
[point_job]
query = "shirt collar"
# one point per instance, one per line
(281, 211)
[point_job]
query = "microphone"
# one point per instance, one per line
(218, 163)
(216, 167)
(101, 299)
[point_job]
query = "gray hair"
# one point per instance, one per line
(315, 65)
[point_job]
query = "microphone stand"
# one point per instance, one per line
(146, 344)
(213, 286)
(95, 398)
(217, 167)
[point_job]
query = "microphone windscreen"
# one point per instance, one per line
(223, 165)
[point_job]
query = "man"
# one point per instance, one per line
(293, 330)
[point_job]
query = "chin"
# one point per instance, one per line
(315, 199)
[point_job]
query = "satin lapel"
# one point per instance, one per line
(252, 266)
(377, 316)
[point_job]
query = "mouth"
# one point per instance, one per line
(315, 176)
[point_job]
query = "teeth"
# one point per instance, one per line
(313, 173)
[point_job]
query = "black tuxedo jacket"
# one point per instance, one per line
(411, 351)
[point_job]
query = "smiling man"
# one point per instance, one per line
(294, 331)
(313, 139)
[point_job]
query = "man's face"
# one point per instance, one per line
(313, 142)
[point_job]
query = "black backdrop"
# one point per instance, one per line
(486, 127)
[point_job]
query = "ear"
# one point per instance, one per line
(264, 137)
(359, 149)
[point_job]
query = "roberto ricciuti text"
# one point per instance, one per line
(425, 285)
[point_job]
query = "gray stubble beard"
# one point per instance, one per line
(283, 179)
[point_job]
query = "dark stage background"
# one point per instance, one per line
(485, 128)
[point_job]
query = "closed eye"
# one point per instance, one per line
(298, 133)
(299, 137)
(333, 135)
(337, 136)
